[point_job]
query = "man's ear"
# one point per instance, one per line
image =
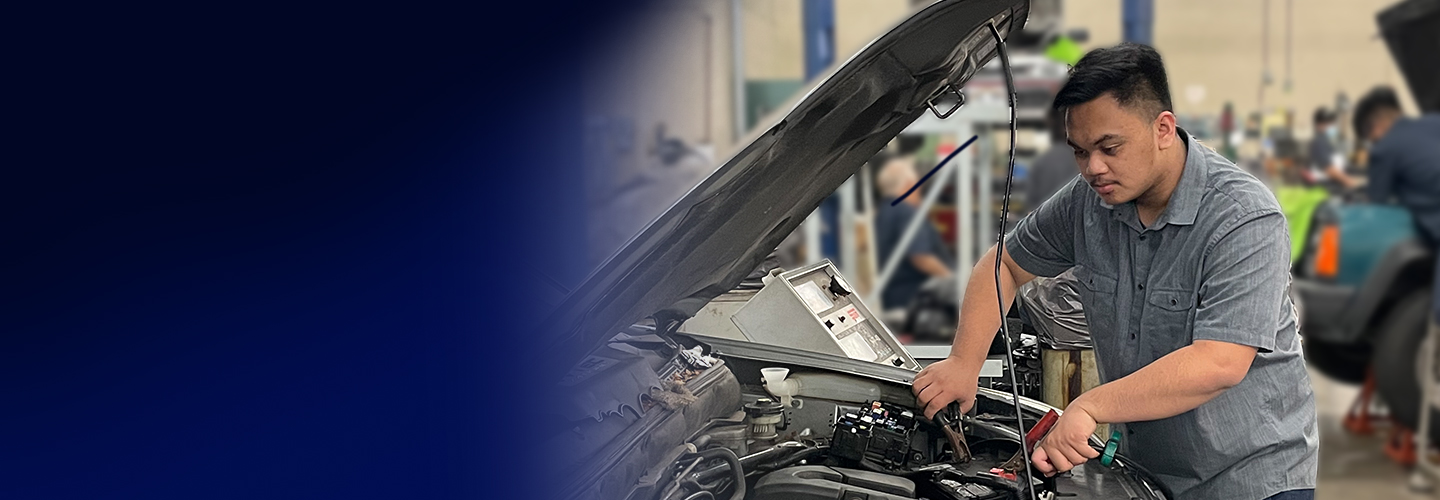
(1165, 130)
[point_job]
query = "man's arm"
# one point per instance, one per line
(924, 252)
(1174, 384)
(953, 379)
(1043, 241)
(1336, 171)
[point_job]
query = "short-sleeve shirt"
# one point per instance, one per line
(1405, 168)
(1213, 266)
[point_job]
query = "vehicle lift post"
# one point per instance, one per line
(1422, 477)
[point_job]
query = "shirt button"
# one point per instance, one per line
(1142, 286)
(1142, 237)
(1132, 336)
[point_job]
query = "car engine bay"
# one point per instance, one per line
(841, 436)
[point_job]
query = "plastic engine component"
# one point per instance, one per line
(815, 482)
(879, 432)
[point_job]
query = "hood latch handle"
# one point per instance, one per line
(959, 101)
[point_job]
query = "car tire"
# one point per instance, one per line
(1343, 362)
(1396, 356)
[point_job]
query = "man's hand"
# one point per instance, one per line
(944, 382)
(1068, 443)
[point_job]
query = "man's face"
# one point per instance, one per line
(1115, 148)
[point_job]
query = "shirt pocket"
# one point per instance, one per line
(1165, 322)
(1095, 282)
(1097, 295)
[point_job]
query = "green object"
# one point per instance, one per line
(1299, 204)
(1108, 457)
(1064, 50)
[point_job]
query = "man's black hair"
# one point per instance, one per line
(1322, 115)
(1378, 99)
(1131, 72)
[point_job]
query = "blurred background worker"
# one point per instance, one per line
(925, 256)
(1327, 162)
(1404, 162)
(1404, 158)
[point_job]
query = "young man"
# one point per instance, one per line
(1183, 260)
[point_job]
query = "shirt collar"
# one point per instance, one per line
(1184, 202)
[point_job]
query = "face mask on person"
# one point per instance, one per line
(1333, 132)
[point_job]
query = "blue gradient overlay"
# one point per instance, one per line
(282, 252)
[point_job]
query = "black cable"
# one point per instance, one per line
(1000, 251)
(796, 457)
(1124, 462)
(761, 459)
(736, 470)
(701, 494)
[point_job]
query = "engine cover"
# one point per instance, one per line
(829, 483)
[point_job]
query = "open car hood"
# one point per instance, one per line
(721, 230)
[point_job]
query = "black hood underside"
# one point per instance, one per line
(723, 228)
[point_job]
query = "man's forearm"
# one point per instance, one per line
(979, 312)
(1174, 384)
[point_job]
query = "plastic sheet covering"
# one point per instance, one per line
(1053, 306)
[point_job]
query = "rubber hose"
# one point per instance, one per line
(736, 471)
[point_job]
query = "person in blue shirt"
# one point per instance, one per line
(1404, 158)
(925, 257)
(1404, 162)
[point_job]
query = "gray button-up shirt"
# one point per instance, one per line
(1214, 266)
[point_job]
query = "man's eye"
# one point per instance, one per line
(1079, 153)
(1111, 150)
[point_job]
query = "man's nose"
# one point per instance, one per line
(1094, 166)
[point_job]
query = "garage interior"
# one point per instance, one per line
(703, 77)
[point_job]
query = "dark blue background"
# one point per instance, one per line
(282, 252)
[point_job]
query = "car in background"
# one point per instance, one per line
(1363, 285)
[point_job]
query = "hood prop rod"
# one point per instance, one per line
(1000, 251)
